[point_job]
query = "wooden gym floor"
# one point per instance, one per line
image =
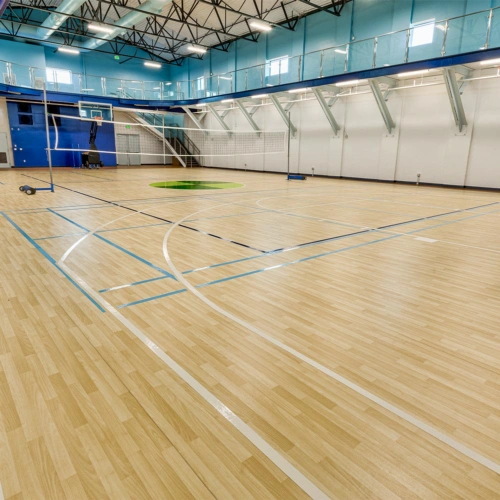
(326, 339)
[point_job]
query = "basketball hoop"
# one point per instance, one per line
(98, 119)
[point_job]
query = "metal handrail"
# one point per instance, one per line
(191, 84)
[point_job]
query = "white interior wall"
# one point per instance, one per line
(425, 140)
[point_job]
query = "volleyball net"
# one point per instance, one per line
(148, 138)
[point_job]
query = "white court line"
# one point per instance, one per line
(279, 460)
(1, 493)
(468, 452)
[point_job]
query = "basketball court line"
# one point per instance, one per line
(118, 247)
(51, 260)
(286, 249)
(468, 452)
(279, 460)
(150, 215)
(285, 264)
(1, 492)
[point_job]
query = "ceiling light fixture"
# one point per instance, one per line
(298, 91)
(348, 83)
(152, 64)
(198, 50)
(339, 51)
(99, 28)
(67, 50)
(260, 26)
(490, 61)
(227, 100)
(259, 96)
(414, 73)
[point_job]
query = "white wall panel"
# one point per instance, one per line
(426, 139)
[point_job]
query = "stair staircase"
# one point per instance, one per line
(187, 151)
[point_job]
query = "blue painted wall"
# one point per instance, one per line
(92, 63)
(29, 142)
(360, 19)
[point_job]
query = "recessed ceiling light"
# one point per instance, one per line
(260, 26)
(198, 50)
(259, 96)
(414, 73)
(67, 50)
(341, 51)
(347, 83)
(490, 61)
(227, 100)
(152, 64)
(298, 91)
(201, 105)
(101, 29)
(225, 77)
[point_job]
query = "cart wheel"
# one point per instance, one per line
(30, 191)
(21, 188)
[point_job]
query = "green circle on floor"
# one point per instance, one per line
(195, 185)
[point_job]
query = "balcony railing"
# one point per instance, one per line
(457, 35)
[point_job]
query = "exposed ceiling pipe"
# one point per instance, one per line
(67, 7)
(150, 7)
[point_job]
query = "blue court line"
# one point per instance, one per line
(118, 247)
(257, 271)
(52, 261)
(103, 231)
(303, 245)
(305, 259)
(59, 236)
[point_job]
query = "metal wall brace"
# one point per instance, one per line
(218, 117)
(382, 105)
(457, 106)
(283, 114)
(193, 117)
(326, 109)
(247, 115)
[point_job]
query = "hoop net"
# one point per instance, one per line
(185, 142)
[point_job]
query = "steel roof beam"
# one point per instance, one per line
(243, 14)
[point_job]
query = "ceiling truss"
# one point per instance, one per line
(165, 36)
